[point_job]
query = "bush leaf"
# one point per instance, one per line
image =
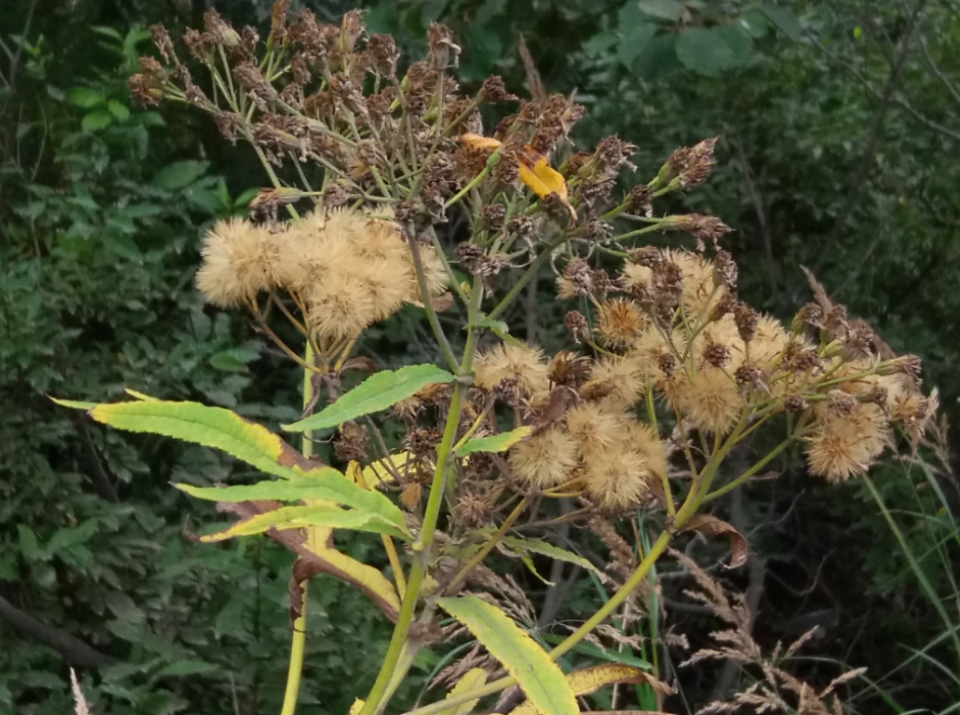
(376, 393)
(537, 675)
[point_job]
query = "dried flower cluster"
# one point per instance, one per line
(671, 323)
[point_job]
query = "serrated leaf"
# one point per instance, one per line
(704, 51)
(84, 97)
(785, 21)
(326, 484)
(537, 675)
(211, 427)
(299, 517)
(536, 546)
(471, 680)
(376, 393)
(186, 667)
(496, 443)
(179, 174)
(96, 120)
(669, 10)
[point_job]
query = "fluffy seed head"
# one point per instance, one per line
(545, 460)
(619, 322)
(843, 446)
(595, 429)
(522, 363)
(239, 260)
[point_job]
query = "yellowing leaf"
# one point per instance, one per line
(382, 470)
(537, 675)
(356, 707)
(590, 680)
(367, 578)
(298, 517)
(496, 443)
(472, 679)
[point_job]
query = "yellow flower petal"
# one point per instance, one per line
(476, 141)
(537, 174)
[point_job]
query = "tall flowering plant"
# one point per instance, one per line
(665, 373)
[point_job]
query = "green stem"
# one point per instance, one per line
(299, 641)
(380, 692)
(491, 162)
(720, 491)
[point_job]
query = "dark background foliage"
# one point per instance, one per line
(839, 136)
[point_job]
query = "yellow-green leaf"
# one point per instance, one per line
(298, 517)
(496, 443)
(208, 426)
(590, 680)
(471, 680)
(537, 675)
(140, 396)
(327, 485)
(378, 392)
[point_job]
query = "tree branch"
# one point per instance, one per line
(74, 651)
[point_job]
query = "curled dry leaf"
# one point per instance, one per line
(708, 524)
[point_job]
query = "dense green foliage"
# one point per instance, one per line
(839, 135)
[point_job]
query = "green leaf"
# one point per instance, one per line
(71, 536)
(739, 42)
(84, 97)
(234, 359)
(122, 245)
(299, 517)
(669, 10)
(704, 51)
(326, 484)
(179, 174)
(496, 443)
(376, 393)
(471, 680)
(754, 24)
(118, 110)
(29, 546)
(96, 120)
(536, 546)
(537, 675)
(634, 41)
(185, 667)
(786, 21)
